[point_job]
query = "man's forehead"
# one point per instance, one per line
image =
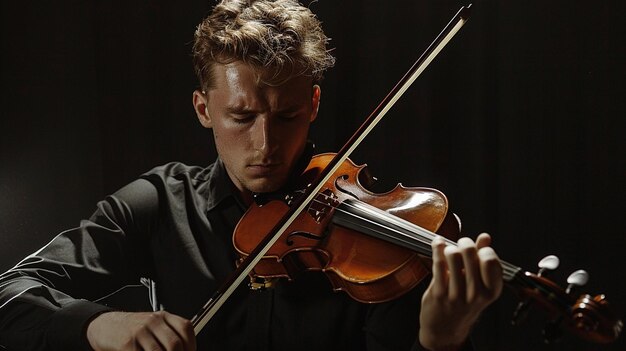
(237, 72)
(238, 87)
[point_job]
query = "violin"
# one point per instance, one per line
(376, 267)
(375, 247)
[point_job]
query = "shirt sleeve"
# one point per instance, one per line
(45, 299)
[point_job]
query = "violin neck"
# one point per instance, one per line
(370, 220)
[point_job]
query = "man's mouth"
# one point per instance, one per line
(262, 169)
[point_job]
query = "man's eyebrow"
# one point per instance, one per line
(290, 109)
(240, 110)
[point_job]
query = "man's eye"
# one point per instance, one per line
(289, 116)
(243, 118)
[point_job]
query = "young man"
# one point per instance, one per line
(259, 63)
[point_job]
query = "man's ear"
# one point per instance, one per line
(315, 101)
(200, 104)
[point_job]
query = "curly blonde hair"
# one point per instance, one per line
(281, 35)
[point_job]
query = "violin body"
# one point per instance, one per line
(369, 269)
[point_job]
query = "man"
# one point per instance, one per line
(259, 64)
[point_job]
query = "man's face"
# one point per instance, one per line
(260, 131)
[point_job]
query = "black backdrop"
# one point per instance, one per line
(519, 121)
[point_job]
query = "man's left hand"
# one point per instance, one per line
(466, 279)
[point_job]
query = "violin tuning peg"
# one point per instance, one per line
(578, 278)
(548, 263)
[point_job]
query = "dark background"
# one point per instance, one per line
(519, 122)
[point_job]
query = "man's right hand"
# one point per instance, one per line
(148, 331)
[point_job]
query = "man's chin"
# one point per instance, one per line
(263, 186)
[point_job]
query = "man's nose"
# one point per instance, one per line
(263, 136)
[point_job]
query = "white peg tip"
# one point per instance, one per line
(578, 278)
(550, 262)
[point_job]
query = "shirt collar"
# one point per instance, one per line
(220, 187)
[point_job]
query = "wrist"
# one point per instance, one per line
(97, 327)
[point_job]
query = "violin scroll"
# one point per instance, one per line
(590, 318)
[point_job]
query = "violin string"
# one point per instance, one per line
(414, 233)
(423, 236)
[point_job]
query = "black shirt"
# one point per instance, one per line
(174, 226)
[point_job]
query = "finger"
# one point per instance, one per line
(184, 329)
(483, 240)
(167, 337)
(456, 284)
(473, 279)
(439, 282)
(491, 271)
(147, 341)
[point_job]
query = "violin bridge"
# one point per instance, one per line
(322, 205)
